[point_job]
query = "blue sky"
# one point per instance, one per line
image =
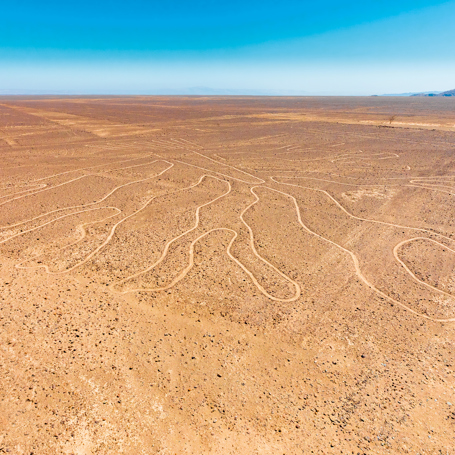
(249, 46)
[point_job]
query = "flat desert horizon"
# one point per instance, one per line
(225, 275)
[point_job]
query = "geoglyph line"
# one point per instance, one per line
(169, 243)
(64, 216)
(250, 231)
(220, 173)
(188, 142)
(45, 185)
(181, 143)
(85, 168)
(357, 217)
(191, 253)
(233, 258)
(39, 187)
(45, 189)
(91, 203)
(113, 229)
(395, 253)
(356, 262)
(229, 166)
(185, 271)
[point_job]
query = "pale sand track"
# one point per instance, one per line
(368, 157)
(395, 253)
(183, 273)
(296, 286)
(427, 186)
(191, 262)
(86, 168)
(39, 187)
(228, 251)
(95, 202)
(232, 167)
(112, 231)
(64, 183)
(372, 185)
(165, 144)
(356, 263)
(170, 242)
(360, 155)
(350, 214)
(220, 173)
(250, 231)
(65, 216)
(354, 257)
(45, 189)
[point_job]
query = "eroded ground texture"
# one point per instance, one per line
(227, 276)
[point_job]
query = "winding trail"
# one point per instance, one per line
(66, 216)
(232, 167)
(442, 184)
(36, 187)
(112, 231)
(357, 217)
(404, 242)
(191, 253)
(224, 175)
(45, 185)
(43, 190)
(356, 261)
(170, 242)
(91, 203)
(231, 256)
(250, 231)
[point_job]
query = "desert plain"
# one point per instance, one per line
(216, 275)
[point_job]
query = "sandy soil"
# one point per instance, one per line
(227, 275)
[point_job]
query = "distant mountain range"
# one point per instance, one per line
(446, 93)
(434, 93)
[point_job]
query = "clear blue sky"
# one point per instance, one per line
(251, 46)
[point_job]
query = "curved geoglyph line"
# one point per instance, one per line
(111, 233)
(360, 155)
(350, 214)
(36, 187)
(186, 270)
(170, 242)
(191, 143)
(251, 234)
(371, 156)
(43, 190)
(356, 261)
(91, 203)
(231, 256)
(395, 253)
(438, 187)
(235, 234)
(220, 173)
(65, 216)
(432, 188)
(166, 145)
(232, 167)
(46, 186)
(191, 253)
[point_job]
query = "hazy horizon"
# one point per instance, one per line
(252, 48)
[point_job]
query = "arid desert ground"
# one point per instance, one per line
(210, 275)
